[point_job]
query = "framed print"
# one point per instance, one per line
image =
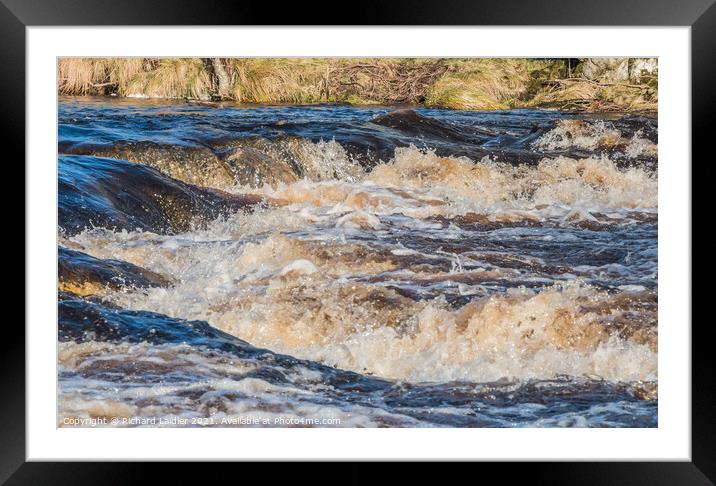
(453, 235)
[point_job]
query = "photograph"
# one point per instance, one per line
(341, 242)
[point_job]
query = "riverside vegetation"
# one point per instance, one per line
(465, 84)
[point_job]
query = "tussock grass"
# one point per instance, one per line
(475, 84)
(170, 78)
(481, 84)
(296, 81)
(97, 75)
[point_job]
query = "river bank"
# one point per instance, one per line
(592, 85)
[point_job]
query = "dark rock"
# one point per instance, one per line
(195, 165)
(119, 195)
(82, 274)
(250, 167)
(409, 122)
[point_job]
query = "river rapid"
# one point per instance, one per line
(331, 265)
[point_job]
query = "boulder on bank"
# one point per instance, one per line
(614, 70)
(606, 69)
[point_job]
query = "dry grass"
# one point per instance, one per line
(97, 75)
(481, 84)
(474, 84)
(582, 94)
(170, 78)
(279, 80)
(389, 81)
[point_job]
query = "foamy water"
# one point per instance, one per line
(477, 288)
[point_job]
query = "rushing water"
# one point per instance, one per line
(226, 265)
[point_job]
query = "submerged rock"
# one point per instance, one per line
(254, 168)
(119, 195)
(456, 140)
(285, 159)
(250, 161)
(81, 320)
(195, 165)
(412, 123)
(83, 274)
(644, 126)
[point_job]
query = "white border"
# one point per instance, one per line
(671, 441)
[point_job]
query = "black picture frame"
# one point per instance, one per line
(16, 15)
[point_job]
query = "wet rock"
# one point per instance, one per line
(254, 168)
(83, 274)
(645, 391)
(645, 126)
(81, 320)
(409, 122)
(119, 195)
(288, 158)
(456, 141)
(195, 165)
